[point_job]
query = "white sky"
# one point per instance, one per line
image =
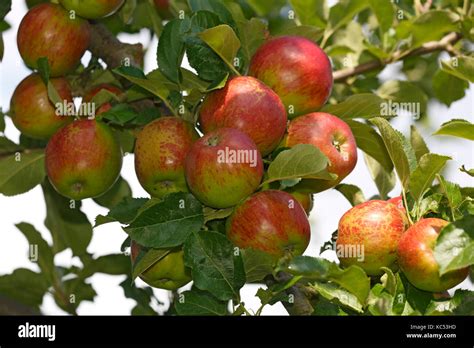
(328, 206)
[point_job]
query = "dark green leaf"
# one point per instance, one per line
(21, 172)
(22, 278)
(117, 193)
(365, 105)
(352, 193)
(422, 177)
(197, 302)
(124, 212)
(257, 264)
(384, 12)
(171, 49)
(448, 88)
(418, 143)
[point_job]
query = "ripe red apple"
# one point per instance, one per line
(297, 70)
(333, 137)
(160, 152)
(271, 221)
(368, 236)
(93, 91)
(83, 159)
(398, 201)
(246, 104)
(31, 110)
(223, 167)
(169, 273)
(47, 30)
(416, 259)
(305, 199)
(163, 8)
(93, 9)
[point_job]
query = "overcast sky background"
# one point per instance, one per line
(328, 206)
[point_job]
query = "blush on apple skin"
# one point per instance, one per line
(83, 159)
(48, 31)
(246, 104)
(271, 221)
(96, 89)
(297, 70)
(416, 258)
(160, 153)
(216, 180)
(377, 226)
(333, 137)
(33, 113)
(398, 201)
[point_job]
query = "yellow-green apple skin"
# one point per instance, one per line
(92, 9)
(368, 236)
(169, 273)
(48, 30)
(160, 153)
(83, 159)
(31, 110)
(416, 258)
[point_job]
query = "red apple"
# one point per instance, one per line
(160, 152)
(31, 110)
(223, 167)
(163, 8)
(83, 159)
(47, 30)
(368, 236)
(246, 104)
(333, 137)
(271, 221)
(93, 91)
(416, 259)
(297, 70)
(93, 9)
(398, 201)
(168, 273)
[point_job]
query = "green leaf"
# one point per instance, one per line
(422, 177)
(114, 264)
(352, 193)
(333, 292)
(257, 264)
(309, 12)
(342, 13)
(168, 223)
(146, 259)
(395, 147)
(120, 114)
(448, 88)
(457, 128)
(307, 31)
(39, 251)
(384, 13)
(301, 161)
(35, 283)
(460, 304)
(171, 49)
(431, 26)
(21, 172)
(141, 295)
(223, 41)
(197, 302)
(6, 145)
(418, 299)
(210, 255)
(124, 212)
(69, 226)
(353, 278)
(44, 69)
(216, 214)
(205, 61)
(369, 141)
(452, 192)
(455, 245)
(5, 7)
(218, 7)
(252, 34)
(407, 96)
(119, 191)
(384, 180)
(365, 105)
(461, 67)
(418, 143)
(469, 172)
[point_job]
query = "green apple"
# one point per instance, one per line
(93, 9)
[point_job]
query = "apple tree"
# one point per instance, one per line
(254, 108)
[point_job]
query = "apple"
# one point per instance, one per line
(271, 221)
(83, 159)
(160, 152)
(246, 104)
(368, 236)
(398, 201)
(93, 91)
(31, 110)
(47, 30)
(223, 167)
(416, 258)
(333, 137)
(168, 273)
(305, 199)
(163, 8)
(297, 70)
(92, 9)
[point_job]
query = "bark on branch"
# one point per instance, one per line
(444, 44)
